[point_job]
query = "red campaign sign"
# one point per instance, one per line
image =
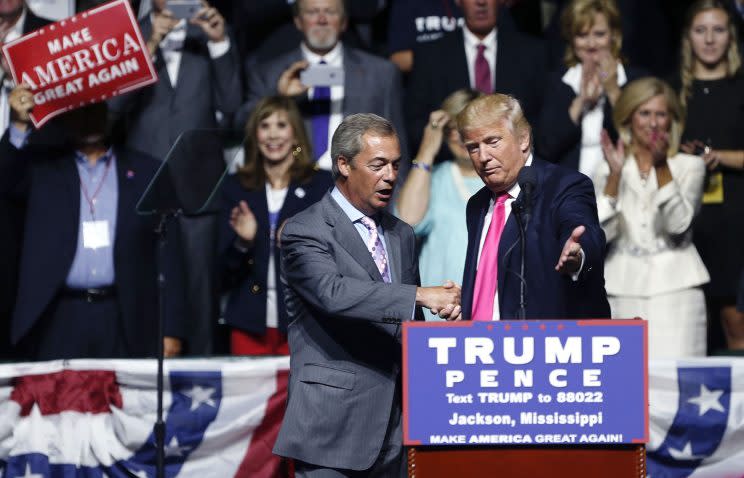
(82, 59)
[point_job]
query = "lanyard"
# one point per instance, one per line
(92, 199)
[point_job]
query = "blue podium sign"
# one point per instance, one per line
(525, 382)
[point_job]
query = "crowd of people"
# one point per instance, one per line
(663, 147)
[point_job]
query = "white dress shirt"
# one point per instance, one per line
(335, 57)
(513, 192)
(471, 51)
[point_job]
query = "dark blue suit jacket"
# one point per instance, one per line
(244, 274)
(563, 199)
(51, 186)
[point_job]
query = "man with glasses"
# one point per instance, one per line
(370, 84)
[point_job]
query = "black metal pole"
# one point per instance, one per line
(159, 429)
(522, 224)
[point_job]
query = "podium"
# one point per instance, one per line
(620, 461)
(572, 395)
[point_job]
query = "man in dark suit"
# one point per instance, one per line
(480, 56)
(351, 274)
(198, 88)
(16, 20)
(88, 276)
(564, 243)
(371, 84)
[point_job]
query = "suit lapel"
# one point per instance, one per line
(348, 237)
(70, 217)
(292, 203)
(455, 49)
(127, 197)
(505, 61)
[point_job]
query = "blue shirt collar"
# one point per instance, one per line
(352, 212)
(82, 158)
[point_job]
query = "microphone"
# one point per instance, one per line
(527, 180)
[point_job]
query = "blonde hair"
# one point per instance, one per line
(490, 109)
(578, 16)
(635, 94)
(252, 175)
(687, 66)
(456, 102)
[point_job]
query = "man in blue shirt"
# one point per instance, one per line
(87, 283)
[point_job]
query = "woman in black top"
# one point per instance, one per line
(711, 88)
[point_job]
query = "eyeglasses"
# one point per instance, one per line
(315, 13)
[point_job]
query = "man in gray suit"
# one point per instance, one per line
(351, 278)
(371, 84)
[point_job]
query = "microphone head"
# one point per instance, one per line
(527, 176)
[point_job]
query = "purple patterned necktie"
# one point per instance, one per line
(482, 72)
(374, 244)
(321, 115)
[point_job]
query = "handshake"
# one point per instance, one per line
(443, 300)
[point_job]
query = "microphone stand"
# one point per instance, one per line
(159, 429)
(518, 209)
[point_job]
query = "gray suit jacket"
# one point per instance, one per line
(344, 335)
(371, 85)
(153, 117)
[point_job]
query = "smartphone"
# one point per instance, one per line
(322, 75)
(183, 9)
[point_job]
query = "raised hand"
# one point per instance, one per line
(433, 134)
(591, 86)
(211, 22)
(659, 146)
(21, 102)
(162, 23)
(613, 154)
(243, 222)
(289, 83)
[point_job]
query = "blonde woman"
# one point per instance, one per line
(712, 90)
(579, 99)
(647, 196)
(433, 198)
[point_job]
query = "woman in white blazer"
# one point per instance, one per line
(647, 196)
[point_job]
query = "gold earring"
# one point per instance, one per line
(297, 151)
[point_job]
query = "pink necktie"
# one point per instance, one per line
(374, 244)
(482, 72)
(486, 277)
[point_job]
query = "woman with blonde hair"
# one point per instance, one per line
(647, 196)
(712, 90)
(278, 180)
(579, 99)
(433, 198)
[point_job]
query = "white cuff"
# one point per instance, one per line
(575, 276)
(218, 48)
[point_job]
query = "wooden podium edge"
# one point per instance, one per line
(639, 450)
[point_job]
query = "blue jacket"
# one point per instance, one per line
(244, 274)
(563, 199)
